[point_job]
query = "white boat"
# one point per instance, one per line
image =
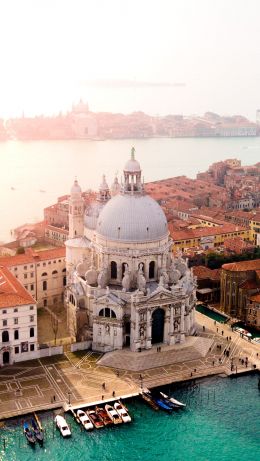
(62, 425)
(113, 415)
(256, 340)
(122, 411)
(85, 421)
(171, 399)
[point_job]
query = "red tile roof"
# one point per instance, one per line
(203, 272)
(12, 292)
(31, 256)
(243, 266)
(255, 298)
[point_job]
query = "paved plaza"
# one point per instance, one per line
(81, 378)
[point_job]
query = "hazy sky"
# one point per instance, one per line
(51, 49)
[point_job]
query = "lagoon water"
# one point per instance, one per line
(221, 423)
(34, 174)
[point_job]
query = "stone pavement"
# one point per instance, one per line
(78, 378)
(194, 348)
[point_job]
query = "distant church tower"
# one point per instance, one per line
(76, 212)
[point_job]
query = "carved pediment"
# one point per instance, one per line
(111, 300)
(161, 294)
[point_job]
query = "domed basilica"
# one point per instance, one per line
(124, 287)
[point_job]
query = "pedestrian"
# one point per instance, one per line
(227, 338)
(257, 354)
(222, 332)
(217, 329)
(102, 397)
(117, 373)
(215, 322)
(195, 370)
(113, 394)
(230, 338)
(54, 398)
(191, 374)
(203, 328)
(104, 386)
(213, 363)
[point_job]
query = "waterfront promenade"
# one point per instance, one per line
(81, 379)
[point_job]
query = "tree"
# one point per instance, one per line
(55, 326)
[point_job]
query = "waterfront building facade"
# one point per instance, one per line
(18, 320)
(42, 273)
(239, 281)
(124, 287)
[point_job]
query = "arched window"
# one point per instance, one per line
(54, 272)
(123, 269)
(16, 334)
(141, 265)
(106, 312)
(31, 332)
(113, 270)
(5, 336)
(72, 300)
(151, 269)
(44, 285)
(64, 280)
(44, 274)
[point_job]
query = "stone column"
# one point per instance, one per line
(182, 327)
(148, 329)
(171, 331)
(166, 330)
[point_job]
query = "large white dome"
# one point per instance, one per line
(132, 218)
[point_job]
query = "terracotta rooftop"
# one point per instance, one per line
(12, 292)
(203, 272)
(31, 256)
(255, 298)
(203, 231)
(242, 266)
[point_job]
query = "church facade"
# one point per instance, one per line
(124, 287)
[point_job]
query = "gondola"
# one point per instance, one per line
(29, 434)
(172, 401)
(37, 432)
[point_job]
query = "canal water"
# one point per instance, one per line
(221, 423)
(210, 313)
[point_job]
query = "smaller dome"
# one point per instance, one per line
(76, 189)
(132, 165)
(103, 186)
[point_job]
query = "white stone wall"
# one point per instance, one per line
(20, 318)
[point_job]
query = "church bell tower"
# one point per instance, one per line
(76, 212)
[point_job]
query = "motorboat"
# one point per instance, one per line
(62, 425)
(173, 401)
(84, 419)
(103, 414)
(113, 415)
(37, 432)
(122, 411)
(29, 434)
(95, 418)
(256, 340)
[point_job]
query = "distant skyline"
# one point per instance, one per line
(160, 57)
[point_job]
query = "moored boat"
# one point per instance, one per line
(84, 419)
(113, 415)
(173, 401)
(37, 432)
(103, 414)
(122, 411)
(162, 404)
(95, 418)
(146, 396)
(29, 434)
(62, 425)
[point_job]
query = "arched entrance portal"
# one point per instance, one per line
(6, 357)
(157, 326)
